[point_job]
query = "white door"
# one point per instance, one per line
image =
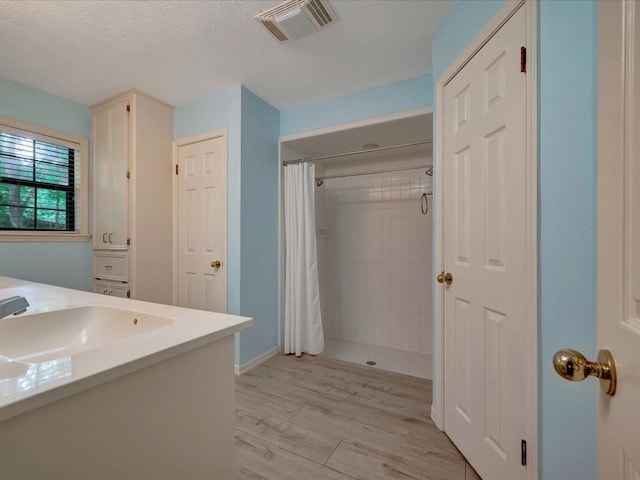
(202, 224)
(619, 236)
(484, 238)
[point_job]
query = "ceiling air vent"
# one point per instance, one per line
(296, 18)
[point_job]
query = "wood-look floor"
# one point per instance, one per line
(317, 418)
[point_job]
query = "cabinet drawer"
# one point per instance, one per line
(111, 266)
(115, 289)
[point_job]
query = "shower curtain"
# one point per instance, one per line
(302, 318)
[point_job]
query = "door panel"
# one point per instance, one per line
(484, 169)
(463, 359)
(202, 237)
(119, 119)
(494, 200)
(111, 186)
(101, 176)
(619, 236)
(462, 202)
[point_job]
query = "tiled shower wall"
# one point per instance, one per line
(374, 256)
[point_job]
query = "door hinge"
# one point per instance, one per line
(128, 107)
(523, 453)
(128, 241)
(523, 59)
(128, 174)
(177, 169)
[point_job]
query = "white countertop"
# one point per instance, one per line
(46, 382)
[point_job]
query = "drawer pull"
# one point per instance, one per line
(108, 267)
(104, 238)
(110, 238)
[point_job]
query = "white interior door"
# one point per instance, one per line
(202, 224)
(484, 238)
(619, 236)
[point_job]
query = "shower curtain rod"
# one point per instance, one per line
(320, 180)
(337, 155)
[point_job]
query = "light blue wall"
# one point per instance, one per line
(35, 106)
(221, 110)
(567, 214)
(568, 133)
(259, 229)
(61, 263)
(391, 98)
(461, 25)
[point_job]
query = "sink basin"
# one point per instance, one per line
(46, 336)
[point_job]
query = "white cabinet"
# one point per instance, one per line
(114, 289)
(132, 195)
(111, 168)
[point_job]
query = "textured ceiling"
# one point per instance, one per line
(179, 51)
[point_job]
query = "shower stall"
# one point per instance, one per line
(373, 218)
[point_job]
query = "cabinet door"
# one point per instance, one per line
(111, 186)
(121, 290)
(101, 178)
(114, 289)
(100, 287)
(119, 127)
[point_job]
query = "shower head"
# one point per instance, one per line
(319, 182)
(429, 171)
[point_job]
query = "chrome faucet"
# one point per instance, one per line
(13, 306)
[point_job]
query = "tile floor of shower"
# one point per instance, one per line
(395, 360)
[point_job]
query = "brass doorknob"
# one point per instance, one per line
(445, 278)
(572, 365)
(216, 264)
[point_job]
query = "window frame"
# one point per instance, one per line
(37, 132)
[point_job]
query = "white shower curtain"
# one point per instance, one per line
(302, 318)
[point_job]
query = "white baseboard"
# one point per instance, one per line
(245, 367)
(436, 418)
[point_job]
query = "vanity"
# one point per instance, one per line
(100, 387)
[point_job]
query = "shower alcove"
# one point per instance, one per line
(374, 238)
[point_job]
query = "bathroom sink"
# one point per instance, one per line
(41, 337)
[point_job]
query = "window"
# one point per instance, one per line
(37, 190)
(42, 184)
